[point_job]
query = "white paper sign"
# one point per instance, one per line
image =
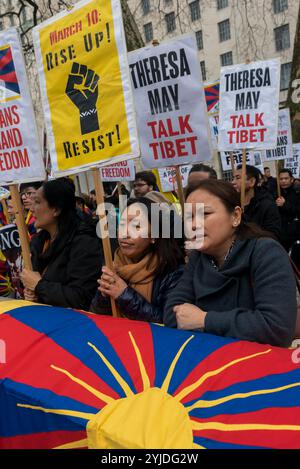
(170, 104)
(123, 171)
(20, 153)
(237, 158)
(249, 95)
(253, 158)
(167, 177)
(294, 163)
(284, 148)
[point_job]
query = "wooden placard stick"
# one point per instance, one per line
(105, 238)
(232, 162)
(243, 186)
(87, 181)
(22, 228)
(180, 188)
(277, 178)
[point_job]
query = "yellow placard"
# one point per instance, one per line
(82, 62)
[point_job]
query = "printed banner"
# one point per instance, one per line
(211, 91)
(284, 148)
(167, 177)
(253, 158)
(293, 164)
(171, 112)
(20, 152)
(83, 71)
(249, 95)
(123, 171)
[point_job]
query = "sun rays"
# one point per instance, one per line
(160, 396)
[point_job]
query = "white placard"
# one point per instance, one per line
(167, 177)
(293, 164)
(170, 104)
(237, 158)
(284, 148)
(20, 152)
(123, 171)
(249, 96)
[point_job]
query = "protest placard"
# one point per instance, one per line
(170, 103)
(293, 164)
(167, 177)
(284, 147)
(10, 245)
(237, 158)
(20, 153)
(249, 95)
(211, 91)
(85, 86)
(122, 171)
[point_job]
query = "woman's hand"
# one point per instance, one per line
(189, 316)
(30, 279)
(111, 284)
(29, 295)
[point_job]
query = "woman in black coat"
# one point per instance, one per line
(66, 253)
(238, 282)
(147, 265)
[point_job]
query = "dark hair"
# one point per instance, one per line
(80, 200)
(169, 251)
(36, 185)
(93, 192)
(286, 170)
(60, 194)
(205, 169)
(251, 172)
(230, 198)
(266, 167)
(148, 177)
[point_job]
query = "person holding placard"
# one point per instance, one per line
(145, 268)
(66, 253)
(238, 282)
(260, 207)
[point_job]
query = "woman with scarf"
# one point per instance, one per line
(146, 264)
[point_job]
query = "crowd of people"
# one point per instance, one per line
(237, 280)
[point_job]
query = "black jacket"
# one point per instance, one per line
(271, 186)
(263, 211)
(252, 297)
(135, 306)
(70, 271)
(290, 215)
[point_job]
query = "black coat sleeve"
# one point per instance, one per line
(184, 292)
(135, 306)
(273, 319)
(83, 270)
(271, 220)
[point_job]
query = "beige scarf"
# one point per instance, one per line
(138, 276)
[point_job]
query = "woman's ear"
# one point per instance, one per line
(57, 212)
(236, 217)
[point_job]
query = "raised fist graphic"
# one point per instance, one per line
(82, 89)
